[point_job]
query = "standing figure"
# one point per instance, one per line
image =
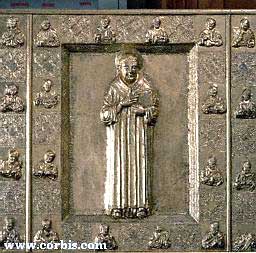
(9, 234)
(246, 108)
(11, 168)
(46, 234)
(244, 36)
(213, 104)
(11, 102)
(47, 97)
(47, 36)
(13, 37)
(245, 180)
(160, 239)
(156, 34)
(130, 111)
(211, 175)
(104, 237)
(210, 37)
(46, 168)
(214, 239)
(245, 242)
(105, 34)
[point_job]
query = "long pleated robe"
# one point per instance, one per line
(129, 145)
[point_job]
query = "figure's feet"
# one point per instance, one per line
(142, 212)
(116, 213)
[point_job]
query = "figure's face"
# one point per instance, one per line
(212, 162)
(9, 224)
(47, 85)
(45, 25)
(157, 23)
(245, 24)
(213, 91)
(11, 23)
(49, 157)
(12, 158)
(211, 24)
(105, 22)
(104, 230)
(13, 90)
(46, 225)
(214, 228)
(247, 167)
(129, 70)
(246, 96)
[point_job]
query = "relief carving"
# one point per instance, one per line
(214, 239)
(105, 33)
(11, 102)
(47, 36)
(47, 97)
(243, 36)
(156, 34)
(245, 180)
(130, 111)
(246, 108)
(9, 234)
(210, 37)
(160, 239)
(12, 166)
(46, 234)
(46, 168)
(213, 104)
(245, 243)
(105, 237)
(13, 37)
(211, 175)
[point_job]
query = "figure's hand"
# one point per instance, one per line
(139, 110)
(129, 100)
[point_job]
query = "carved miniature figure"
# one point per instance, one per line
(245, 180)
(160, 239)
(210, 37)
(47, 97)
(13, 37)
(9, 234)
(11, 168)
(105, 34)
(156, 34)
(246, 108)
(47, 36)
(46, 168)
(129, 111)
(213, 104)
(244, 36)
(245, 243)
(11, 102)
(211, 175)
(46, 234)
(214, 239)
(106, 238)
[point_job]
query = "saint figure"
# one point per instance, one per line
(130, 111)
(47, 36)
(244, 36)
(156, 34)
(245, 243)
(160, 239)
(105, 34)
(210, 37)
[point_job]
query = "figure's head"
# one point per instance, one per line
(9, 223)
(210, 23)
(13, 155)
(213, 90)
(128, 65)
(47, 85)
(104, 229)
(247, 94)
(214, 227)
(156, 23)
(49, 156)
(105, 22)
(11, 23)
(13, 89)
(45, 25)
(158, 229)
(212, 161)
(245, 24)
(47, 224)
(247, 166)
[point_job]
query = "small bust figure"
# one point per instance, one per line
(47, 97)
(46, 168)
(11, 168)
(245, 180)
(13, 37)
(213, 104)
(214, 239)
(211, 175)
(47, 36)
(46, 234)
(105, 34)
(9, 234)
(160, 239)
(246, 108)
(105, 237)
(11, 102)
(244, 36)
(245, 243)
(156, 34)
(210, 37)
